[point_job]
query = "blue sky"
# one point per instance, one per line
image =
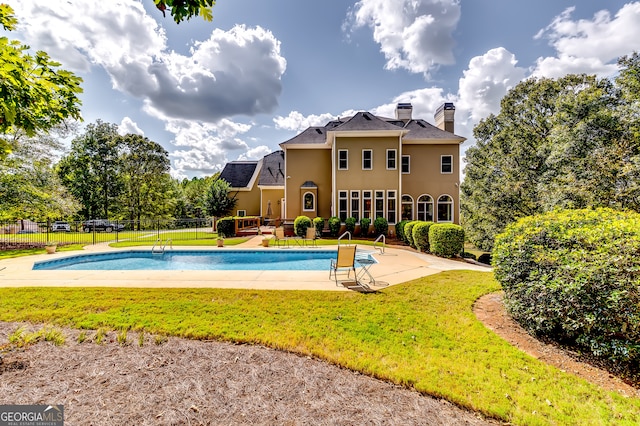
(262, 71)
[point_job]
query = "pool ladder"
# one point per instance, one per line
(159, 248)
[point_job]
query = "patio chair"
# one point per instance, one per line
(279, 237)
(311, 236)
(345, 260)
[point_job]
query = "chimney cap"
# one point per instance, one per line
(404, 105)
(446, 106)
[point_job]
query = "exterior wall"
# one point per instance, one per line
(247, 200)
(275, 196)
(304, 165)
(425, 176)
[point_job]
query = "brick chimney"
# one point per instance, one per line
(444, 117)
(404, 111)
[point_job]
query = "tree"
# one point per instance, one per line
(91, 170)
(218, 203)
(186, 9)
(35, 95)
(555, 143)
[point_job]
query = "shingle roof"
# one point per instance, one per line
(311, 135)
(421, 129)
(365, 121)
(272, 173)
(238, 173)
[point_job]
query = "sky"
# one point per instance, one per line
(263, 71)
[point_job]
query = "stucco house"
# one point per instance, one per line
(359, 166)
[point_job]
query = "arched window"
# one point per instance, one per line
(445, 209)
(425, 208)
(309, 202)
(407, 207)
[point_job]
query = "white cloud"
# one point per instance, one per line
(255, 153)
(297, 122)
(414, 35)
(128, 126)
(590, 46)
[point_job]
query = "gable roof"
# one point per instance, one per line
(239, 173)
(365, 121)
(421, 129)
(272, 173)
(312, 135)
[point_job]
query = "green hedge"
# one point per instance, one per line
(226, 227)
(574, 276)
(420, 235)
(446, 239)
(318, 223)
(408, 232)
(334, 226)
(364, 226)
(400, 229)
(381, 226)
(300, 225)
(350, 225)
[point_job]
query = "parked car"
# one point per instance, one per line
(101, 225)
(60, 226)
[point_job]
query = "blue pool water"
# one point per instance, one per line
(240, 260)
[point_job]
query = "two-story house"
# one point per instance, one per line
(359, 166)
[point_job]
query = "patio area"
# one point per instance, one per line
(395, 266)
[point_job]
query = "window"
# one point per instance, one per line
(446, 164)
(445, 209)
(355, 204)
(241, 213)
(367, 159)
(406, 161)
(391, 206)
(309, 202)
(425, 208)
(342, 205)
(379, 203)
(407, 207)
(366, 204)
(391, 159)
(343, 159)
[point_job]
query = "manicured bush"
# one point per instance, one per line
(381, 226)
(446, 239)
(365, 222)
(408, 232)
(226, 227)
(350, 224)
(420, 235)
(318, 223)
(573, 276)
(334, 226)
(300, 225)
(400, 229)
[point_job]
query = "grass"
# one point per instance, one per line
(421, 334)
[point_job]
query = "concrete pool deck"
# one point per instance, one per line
(395, 266)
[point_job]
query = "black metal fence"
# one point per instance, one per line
(26, 233)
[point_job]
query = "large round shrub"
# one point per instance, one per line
(574, 276)
(400, 229)
(300, 225)
(318, 223)
(408, 232)
(364, 226)
(381, 226)
(226, 227)
(350, 224)
(420, 235)
(446, 239)
(334, 226)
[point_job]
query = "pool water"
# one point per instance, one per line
(185, 260)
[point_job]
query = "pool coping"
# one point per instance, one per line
(395, 266)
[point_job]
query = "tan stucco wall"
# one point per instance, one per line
(247, 200)
(425, 176)
(377, 178)
(308, 165)
(275, 195)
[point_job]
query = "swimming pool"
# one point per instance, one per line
(190, 260)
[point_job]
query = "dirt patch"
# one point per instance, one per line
(193, 382)
(491, 311)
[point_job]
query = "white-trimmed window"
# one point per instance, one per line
(241, 213)
(425, 208)
(366, 204)
(379, 204)
(391, 206)
(407, 207)
(367, 159)
(309, 202)
(343, 202)
(392, 156)
(445, 208)
(343, 159)
(446, 164)
(406, 164)
(355, 204)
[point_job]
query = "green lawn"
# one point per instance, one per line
(420, 334)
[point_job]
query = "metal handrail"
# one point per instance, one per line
(160, 249)
(342, 236)
(170, 243)
(384, 243)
